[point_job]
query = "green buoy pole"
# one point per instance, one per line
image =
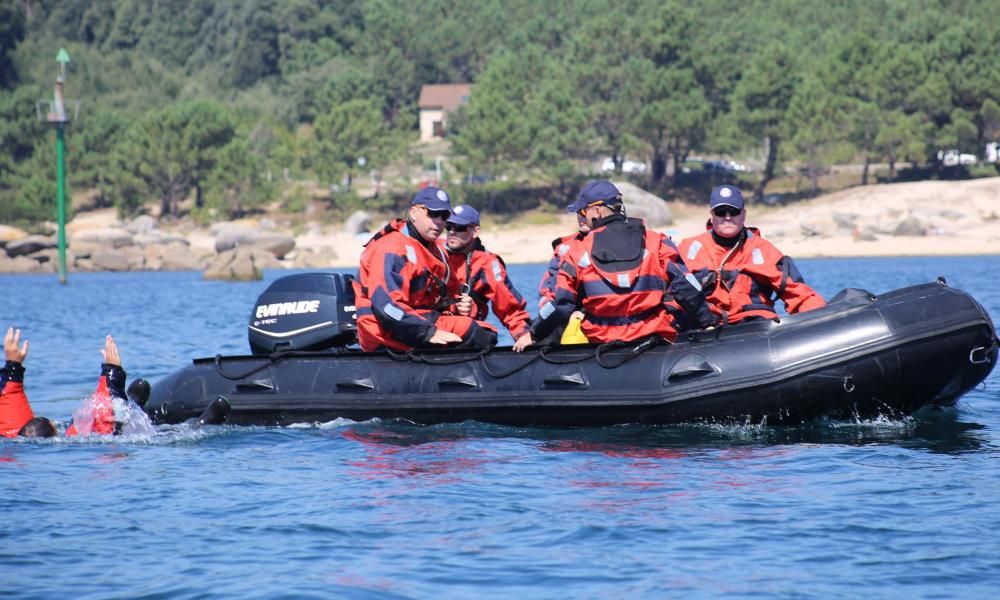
(61, 197)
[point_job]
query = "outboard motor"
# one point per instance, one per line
(310, 311)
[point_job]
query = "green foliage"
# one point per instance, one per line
(169, 153)
(11, 32)
(351, 138)
(310, 86)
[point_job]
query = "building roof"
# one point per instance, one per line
(446, 96)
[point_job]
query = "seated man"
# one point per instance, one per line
(402, 286)
(622, 276)
(16, 416)
(547, 287)
(479, 277)
(741, 272)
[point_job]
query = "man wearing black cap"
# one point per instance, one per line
(741, 272)
(402, 284)
(624, 277)
(479, 277)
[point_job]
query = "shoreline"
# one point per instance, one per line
(930, 218)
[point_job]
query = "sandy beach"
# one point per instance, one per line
(957, 218)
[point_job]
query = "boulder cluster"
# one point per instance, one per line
(241, 251)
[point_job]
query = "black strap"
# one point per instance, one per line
(784, 281)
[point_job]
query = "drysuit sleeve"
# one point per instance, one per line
(684, 287)
(792, 288)
(508, 304)
(547, 288)
(556, 313)
(15, 410)
(389, 290)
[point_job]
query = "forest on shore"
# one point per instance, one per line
(217, 107)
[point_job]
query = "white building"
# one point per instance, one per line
(435, 102)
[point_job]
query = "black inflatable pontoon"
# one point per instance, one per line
(860, 357)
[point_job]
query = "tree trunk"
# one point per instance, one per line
(768, 173)
(659, 168)
(864, 172)
(199, 198)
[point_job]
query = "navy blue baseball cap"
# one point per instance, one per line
(433, 198)
(726, 195)
(599, 191)
(464, 214)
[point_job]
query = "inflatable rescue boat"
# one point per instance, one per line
(861, 356)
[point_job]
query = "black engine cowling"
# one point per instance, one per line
(309, 311)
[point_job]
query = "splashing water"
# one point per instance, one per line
(133, 420)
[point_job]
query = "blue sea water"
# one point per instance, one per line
(884, 509)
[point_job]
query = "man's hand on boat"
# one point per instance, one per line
(442, 337)
(523, 342)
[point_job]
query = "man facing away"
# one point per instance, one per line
(626, 279)
(741, 272)
(402, 287)
(479, 277)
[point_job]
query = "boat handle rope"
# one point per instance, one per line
(985, 356)
(413, 356)
(633, 352)
(271, 360)
(520, 367)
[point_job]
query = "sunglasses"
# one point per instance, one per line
(457, 228)
(726, 211)
(437, 214)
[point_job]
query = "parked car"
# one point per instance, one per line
(724, 166)
(953, 158)
(993, 152)
(628, 166)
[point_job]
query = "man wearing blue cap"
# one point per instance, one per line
(479, 277)
(741, 272)
(626, 279)
(402, 285)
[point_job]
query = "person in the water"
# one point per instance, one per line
(16, 415)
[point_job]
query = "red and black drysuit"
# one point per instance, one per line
(401, 291)
(483, 276)
(744, 275)
(15, 411)
(560, 246)
(627, 280)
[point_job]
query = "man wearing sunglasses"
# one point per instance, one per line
(625, 278)
(479, 277)
(741, 272)
(402, 286)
